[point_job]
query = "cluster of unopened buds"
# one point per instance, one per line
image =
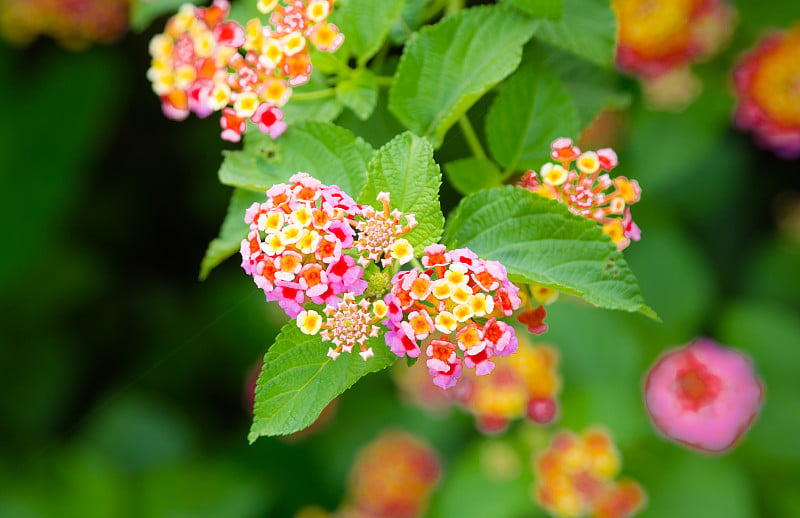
(203, 63)
(587, 192)
(575, 477)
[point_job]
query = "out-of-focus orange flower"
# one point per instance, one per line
(656, 36)
(75, 24)
(393, 477)
(575, 477)
(525, 384)
(767, 82)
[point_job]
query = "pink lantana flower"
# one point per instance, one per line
(703, 395)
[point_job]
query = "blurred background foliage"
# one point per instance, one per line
(123, 377)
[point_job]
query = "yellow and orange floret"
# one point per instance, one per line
(75, 24)
(586, 192)
(576, 477)
(767, 83)
(204, 63)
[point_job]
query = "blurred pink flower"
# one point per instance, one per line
(703, 395)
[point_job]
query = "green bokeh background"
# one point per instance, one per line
(123, 377)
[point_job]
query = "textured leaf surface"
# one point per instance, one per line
(232, 232)
(540, 241)
(587, 29)
(446, 67)
(472, 174)
(329, 153)
(411, 17)
(405, 168)
(550, 9)
(533, 109)
(379, 128)
(591, 87)
(359, 92)
(366, 23)
(298, 380)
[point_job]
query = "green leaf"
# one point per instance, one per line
(411, 18)
(447, 67)
(366, 23)
(232, 232)
(298, 380)
(587, 29)
(405, 168)
(540, 241)
(379, 128)
(323, 109)
(550, 9)
(591, 87)
(473, 174)
(327, 152)
(533, 109)
(143, 13)
(359, 92)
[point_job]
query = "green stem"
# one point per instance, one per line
(380, 57)
(416, 263)
(433, 9)
(314, 95)
(453, 6)
(472, 138)
(384, 80)
(510, 169)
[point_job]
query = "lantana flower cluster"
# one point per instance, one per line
(203, 63)
(587, 192)
(658, 36)
(310, 243)
(575, 477)
(455, 301)
(74, 24)
(659, 40)
(393, 476)
(295, 247)
(525, 384)
(767, 82)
